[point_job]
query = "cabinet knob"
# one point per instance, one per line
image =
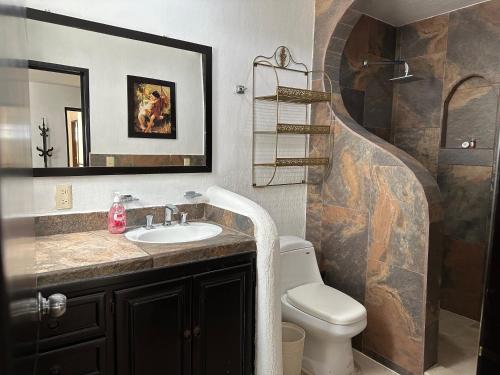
(54, 306)
(187, 334)
(197, 331)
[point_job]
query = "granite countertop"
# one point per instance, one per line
(78, 256)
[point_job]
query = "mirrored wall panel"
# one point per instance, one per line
(107, 100)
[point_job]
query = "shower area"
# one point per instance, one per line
(431, 88)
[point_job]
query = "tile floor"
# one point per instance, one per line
(367, 366)
(458, 344)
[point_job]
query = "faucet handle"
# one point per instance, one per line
(192, 194)
(183, 217)
(125, 198)
(149, 221)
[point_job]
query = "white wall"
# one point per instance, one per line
(48, 100)
(238, 30)
(109, 60)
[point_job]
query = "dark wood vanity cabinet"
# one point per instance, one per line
(195, 319)
(221, 322)
(87, 358)
(153, 328)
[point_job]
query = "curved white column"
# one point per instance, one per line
(268, 357)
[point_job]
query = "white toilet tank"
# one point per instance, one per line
(298, 263)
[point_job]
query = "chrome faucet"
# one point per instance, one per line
(170, 209)
(149, 222)
(183, 220)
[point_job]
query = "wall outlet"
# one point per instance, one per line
(64, 197)
(110, 161)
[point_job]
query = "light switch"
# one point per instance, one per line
(64, 197)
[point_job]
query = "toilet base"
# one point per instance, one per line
(328, 357)
(327, 348)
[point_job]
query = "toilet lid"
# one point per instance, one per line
(326, 303)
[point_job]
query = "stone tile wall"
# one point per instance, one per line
(375, 221)
(366, 91)
(131, 160)
(458, 54)
(470, 91)
(91, 221)
(456, 57)
(466, 192)
(418, 105)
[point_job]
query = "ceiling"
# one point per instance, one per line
(403, 12)
(44, 76)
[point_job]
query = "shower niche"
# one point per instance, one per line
(469, 115)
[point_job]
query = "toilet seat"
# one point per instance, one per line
(326, 303)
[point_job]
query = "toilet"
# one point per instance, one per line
(329, 317)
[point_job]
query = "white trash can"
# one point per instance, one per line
(293, 338)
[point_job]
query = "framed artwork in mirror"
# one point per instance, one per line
(151, 108)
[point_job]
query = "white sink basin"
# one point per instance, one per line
(175, 233)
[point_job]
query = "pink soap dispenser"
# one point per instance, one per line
(117, 216)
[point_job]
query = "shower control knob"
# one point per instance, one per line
(54, 306)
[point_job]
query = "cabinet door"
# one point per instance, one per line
(153, 333)
(222, 322)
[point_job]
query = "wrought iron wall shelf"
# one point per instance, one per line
(294, 95)
(297, 129)
(302, 129)
(279, 156)
(295, 162)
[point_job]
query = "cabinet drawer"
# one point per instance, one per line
(84, 319)
(88, 358)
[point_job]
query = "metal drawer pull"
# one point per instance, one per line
(54, 306)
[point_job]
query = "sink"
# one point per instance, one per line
(175, 233)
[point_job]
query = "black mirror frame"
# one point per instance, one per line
(39, 15)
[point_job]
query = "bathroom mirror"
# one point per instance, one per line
(109, 100)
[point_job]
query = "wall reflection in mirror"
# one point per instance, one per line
(103, 100)
(58, 135)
